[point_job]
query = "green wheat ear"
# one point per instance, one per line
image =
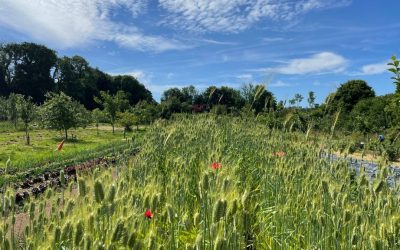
(379, 186)
(78, 233)
(62, 177)
(119, 231)
(354, 236)
(98, 192)
(82, 187)
(152, 243)
(219, 210)
(132, 240)
(219, 243)
(111, 194)
(199, 242)
(88, 242)
(245, 200)
(196, 219)
(188, 246)
(347, 216)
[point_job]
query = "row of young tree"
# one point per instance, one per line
(61, 112)
(33, 70)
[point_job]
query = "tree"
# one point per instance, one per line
(258, 98)
(133, 88)
(3, 108)
(27, 112)
(368, 115)
(311, 99)
(126, 120)
(395, 69)
(61, 112)
(349, 94)
(69, 76)
(145, 112)
(97, 116)
(189, 94)
(26, 69)
(112, 104)
(298, 98)
(12, 110)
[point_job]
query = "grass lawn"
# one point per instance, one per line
(44, 143)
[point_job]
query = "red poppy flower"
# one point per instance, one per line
(216, 165)
(148, 214)
(280, 153)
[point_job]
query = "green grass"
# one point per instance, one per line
(42, 150)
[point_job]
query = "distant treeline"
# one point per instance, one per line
(33, 73)
(34, 70)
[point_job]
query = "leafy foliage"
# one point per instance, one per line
(61, 112)
(113, 104)
(349, 94)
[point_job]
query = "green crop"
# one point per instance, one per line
(208, 182)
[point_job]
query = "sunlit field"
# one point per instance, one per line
(42, 150)
(210, 182)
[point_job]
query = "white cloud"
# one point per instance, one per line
(71, 23)
(142, 76)
(273, 39)
(245, 77)
(279, 84)
(237, 15)
(324, 62)
(374, 69)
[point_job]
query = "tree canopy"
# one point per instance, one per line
(350, 93)
(33, 70)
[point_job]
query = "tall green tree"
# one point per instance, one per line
(27, 112)
(61, 112)
(349, 94)
(27, 68)
(69, 76)
(112, 104)
(311, 99)
(258, 98)
(135, 91)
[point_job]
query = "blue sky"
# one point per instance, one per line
(291, 46)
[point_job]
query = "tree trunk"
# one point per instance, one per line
(112, 127)
(66, 134)
(97, 128)
(27, 138)
(124, 133)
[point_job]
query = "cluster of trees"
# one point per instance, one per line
(34, 70)
(219, 100)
